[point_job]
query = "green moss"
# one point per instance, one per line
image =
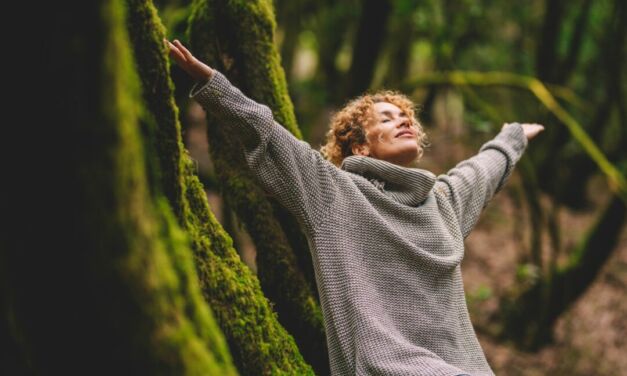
(253, 46)
(101, 278)
(147, 39)
(237, 38)
(257, 341)
(156, 264)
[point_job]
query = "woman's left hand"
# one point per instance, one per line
(198, 70)
(531, 130)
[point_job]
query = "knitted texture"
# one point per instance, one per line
(386, 240)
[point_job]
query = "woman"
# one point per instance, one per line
(386, 239)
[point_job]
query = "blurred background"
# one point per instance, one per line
(546, 268)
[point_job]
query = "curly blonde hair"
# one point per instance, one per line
(349, 126)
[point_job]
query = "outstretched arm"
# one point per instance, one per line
(472, 183)
(288, 168)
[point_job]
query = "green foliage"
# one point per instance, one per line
(527, 274)
(480, 294)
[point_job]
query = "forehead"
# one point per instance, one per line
(383, 108)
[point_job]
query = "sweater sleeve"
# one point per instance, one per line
(472, 183)
(289, 169)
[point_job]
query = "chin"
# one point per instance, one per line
(405, 158)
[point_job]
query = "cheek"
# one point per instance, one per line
(374, 136)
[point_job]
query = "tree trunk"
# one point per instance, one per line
(367, 48)
(400, 39)
(333, 21)
(612, 58)
(223, 37)
(99, 277)
(257, 341)
(529, 316)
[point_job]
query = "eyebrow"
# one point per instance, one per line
(389, 113)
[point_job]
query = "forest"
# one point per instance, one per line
(137, 240)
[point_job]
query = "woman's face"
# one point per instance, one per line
(391, 136)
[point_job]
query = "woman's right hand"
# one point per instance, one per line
(198, 70)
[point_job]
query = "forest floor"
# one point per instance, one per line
(589, 339)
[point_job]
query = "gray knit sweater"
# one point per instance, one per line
(386, 240)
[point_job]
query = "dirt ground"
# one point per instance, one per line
(589, 339)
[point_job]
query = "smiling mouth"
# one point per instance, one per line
(405, 134)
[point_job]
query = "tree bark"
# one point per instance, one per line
(259, 344)
(368, 44)
(223, 36)
(99, 277)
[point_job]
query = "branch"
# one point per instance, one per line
(504, 79)
(615, 178)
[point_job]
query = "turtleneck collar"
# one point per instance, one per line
(409, 186)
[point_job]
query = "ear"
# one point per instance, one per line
(362, 149)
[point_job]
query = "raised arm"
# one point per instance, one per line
(472, 183)
(288, 168)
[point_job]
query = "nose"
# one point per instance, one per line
(404, 123)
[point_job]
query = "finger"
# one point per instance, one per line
(177, 54)
(185, 51)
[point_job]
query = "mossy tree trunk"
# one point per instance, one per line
(291, 14)
(97, 276)
(237, 38)
(259, 344)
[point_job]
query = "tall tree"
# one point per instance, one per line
(332, 25)
(368, 45)
(237, 38)
(609, 83)
(258, 342)
(107, 284)
(558, 68)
